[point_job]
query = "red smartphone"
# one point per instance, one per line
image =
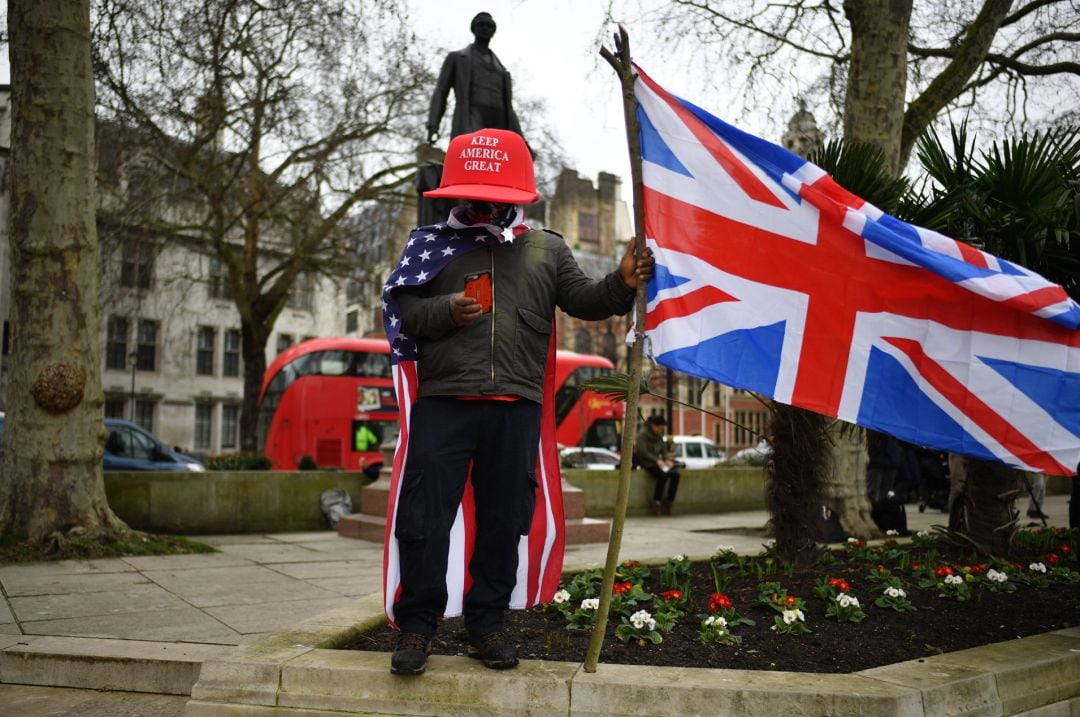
(478, 286)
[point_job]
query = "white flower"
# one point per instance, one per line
(1037, 568)
(853, 540)
(590, 604)
(715, 621)
(892, 532)
(641, 618)
(953, 580)
(995, 576)
(895, 593)
(846, 600)
(923, 534)
(725, 549)
(561, 597)
(791, 616)
(679, 558)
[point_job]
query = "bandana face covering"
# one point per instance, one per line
(501, 223)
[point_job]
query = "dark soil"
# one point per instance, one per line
(937, 626)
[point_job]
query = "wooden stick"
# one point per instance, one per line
(624, 69)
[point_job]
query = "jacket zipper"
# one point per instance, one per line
(491, 352)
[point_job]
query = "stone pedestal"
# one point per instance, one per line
(369, 523)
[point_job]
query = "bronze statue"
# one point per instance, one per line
(481, 87)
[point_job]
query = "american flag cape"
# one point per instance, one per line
(771, 277)
(540, 553)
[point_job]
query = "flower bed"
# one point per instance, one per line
(859, 608)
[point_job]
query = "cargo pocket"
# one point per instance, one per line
(411, 513)
(534, 335)
(528, 505)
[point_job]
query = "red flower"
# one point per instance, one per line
(1064, 549)
(943, 571)
(789, 600)
(718, 601)
(916, 566)
(844, 587)
(857, 543)
(631, 564)
(620, 588)
(671, 594)
(835, 581)
(1052, 558)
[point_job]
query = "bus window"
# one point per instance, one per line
(333, 363)
(372, 365)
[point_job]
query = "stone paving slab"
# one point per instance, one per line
(351, 587)
(23, 701)
(180, 625)
(23, 585)
(6, 615)
(208, 596)
(271, 616)
(186, 562)
(136, 598)
(303, 536)
(324, 568)
(64, 567)
(275, 553)
(127, 665)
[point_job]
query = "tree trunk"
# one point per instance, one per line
(877, 74)
(988, 514)
(794, 478)
(51, 482)
(253, 338)
(845, 483)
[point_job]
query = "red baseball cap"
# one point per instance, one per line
(492, 165)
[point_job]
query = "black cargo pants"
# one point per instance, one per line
(500, 439)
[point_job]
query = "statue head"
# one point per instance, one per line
(482, 27)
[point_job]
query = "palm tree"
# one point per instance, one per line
(1019, 200)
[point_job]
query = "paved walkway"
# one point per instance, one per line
(188, 608)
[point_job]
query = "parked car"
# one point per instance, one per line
(697, 451)
(589, 458)
(129, 447)
(754, 455)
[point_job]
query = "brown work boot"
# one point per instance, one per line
(495, 650)
(655, 507)
(411, 654)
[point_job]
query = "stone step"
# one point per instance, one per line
(106, 664)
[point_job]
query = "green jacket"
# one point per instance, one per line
(504, 352)
(650, 447)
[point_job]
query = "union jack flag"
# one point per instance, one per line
(540, 553)
(772, 278)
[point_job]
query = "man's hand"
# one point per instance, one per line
(464, 309)
(633, 271)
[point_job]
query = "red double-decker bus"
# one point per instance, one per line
(333, 400)
(585, 418)
(330, 399)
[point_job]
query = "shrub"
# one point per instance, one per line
(239, 462)
(307, 463)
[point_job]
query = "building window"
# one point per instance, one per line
(204, 354)
(146, 348)
(230, 365)
(114, 408)
(749, 421)
(144, 414)
(284, 341)
(116, 346)
(588, 226)
(352, 321)
(302, 292)
(230, 426)
(204, 425)
(217, 283)
(136, 264)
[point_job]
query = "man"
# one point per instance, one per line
(654, 455)
(481, 87)
(474, 299)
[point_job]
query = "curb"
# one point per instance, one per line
(300, 672)
(106, 664)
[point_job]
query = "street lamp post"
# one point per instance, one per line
(134, 356)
